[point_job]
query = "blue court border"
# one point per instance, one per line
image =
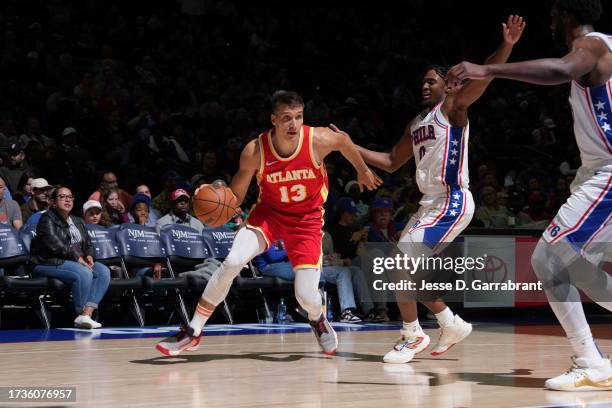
(109, 333)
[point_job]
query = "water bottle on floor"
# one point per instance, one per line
(330, 309)
(281, 314)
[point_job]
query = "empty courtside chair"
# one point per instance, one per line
(141, 246)
(106, 251)
(17, 289)
(185, 246)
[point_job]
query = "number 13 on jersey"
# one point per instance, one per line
(296, 193)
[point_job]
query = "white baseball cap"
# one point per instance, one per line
(91, 204)
(40, 183)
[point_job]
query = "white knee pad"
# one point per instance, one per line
(247, 244)
(307, 293)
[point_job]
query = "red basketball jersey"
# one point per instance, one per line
(294, 185)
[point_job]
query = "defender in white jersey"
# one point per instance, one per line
(577, 242)
(438, 139)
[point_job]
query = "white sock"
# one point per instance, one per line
(412, 327)
(571, 316)
(200, 317)
(445, 317)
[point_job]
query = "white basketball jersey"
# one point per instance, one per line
(440, 152)
(592, 112)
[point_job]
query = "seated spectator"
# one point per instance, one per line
(209, 170)
(162, 201)
(40, 198)
(24, 189)
(382, 227)
(491, 213)
(15, 166)
(333, 266)
(9, 209)
(346, 236)
(352, 190)
(180, 212)
(92, 212)
(153, 214)
(112, 209)
(109, 180)
(33, 133)
(275, 263)
(535, 215)
(139, 210)
(62, 250)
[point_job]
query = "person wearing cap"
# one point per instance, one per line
(179, 214)
(109, 180)
(70, 152)
(14, 167)
(143, 196)
(92, 212)
(346, 236)
(382, 228)
(39, 200)
(352, 190)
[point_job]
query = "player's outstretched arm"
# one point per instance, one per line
(391, 161)
(326, 141)
(249, 165)
(471, 91)
(580, 61)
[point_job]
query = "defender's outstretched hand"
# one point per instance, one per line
(513, 29)
(368, 178)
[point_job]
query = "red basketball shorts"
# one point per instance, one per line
(301, 234)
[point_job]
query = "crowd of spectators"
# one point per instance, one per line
(166, 93)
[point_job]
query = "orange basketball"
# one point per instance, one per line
(214, 205)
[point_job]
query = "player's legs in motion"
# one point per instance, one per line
(247, 244)
(413, 339)
(307, 293)
(590, 370)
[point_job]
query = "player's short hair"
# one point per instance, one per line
(441, 70)
(289, 98)
(584, 11)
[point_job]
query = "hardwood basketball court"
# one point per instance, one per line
(497, 366)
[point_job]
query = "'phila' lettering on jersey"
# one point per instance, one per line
(440, 152)
(296, 185)
(423, 134)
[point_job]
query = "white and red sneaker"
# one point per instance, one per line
(451, 335)
(326, 335)
(408, 346)
(184, 340)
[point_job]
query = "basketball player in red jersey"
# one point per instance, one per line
(288, 163)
